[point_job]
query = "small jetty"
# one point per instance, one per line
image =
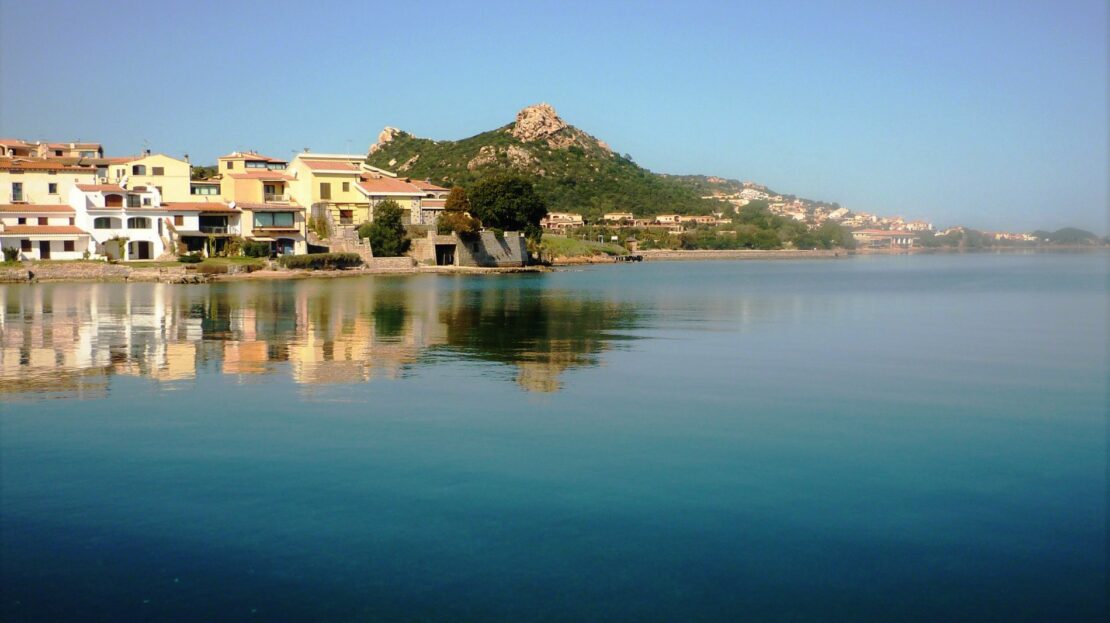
(628, 258)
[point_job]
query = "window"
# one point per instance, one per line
(158, 170)
(230, 165)
(67, 245)
(346, 187)
(325, 190)
(57, 152)
(52, 188)
(102, 222)
(134, 201)
(178, 220)
(113, 201)
(146, 201)
(205, 190)
(138, 222)
(24, 245)
(138, 169)
(72, 221)
(276, 166)
(273, 219)
(17, 191)
(255, 164)
(21, 220)
(44, 220)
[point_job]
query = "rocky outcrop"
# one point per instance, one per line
(385, 136)
(541, 123)
(487, 155)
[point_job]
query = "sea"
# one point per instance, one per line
(870, 438)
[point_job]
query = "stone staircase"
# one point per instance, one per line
(344, 239)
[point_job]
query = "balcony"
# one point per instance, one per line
(213, 229)
(276, 198)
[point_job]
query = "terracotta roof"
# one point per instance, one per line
(197, 206)
(388, 185)
(36, 208)
(331, 165)
(42, 164)
(41, 229)
(427, 185)
(101, 188)
(269, 207)
(261, 175)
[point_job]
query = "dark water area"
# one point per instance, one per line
(878, 438)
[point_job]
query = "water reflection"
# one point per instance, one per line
(68, 340)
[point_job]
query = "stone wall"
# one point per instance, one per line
(484, 250)
(65, 271)
(390, 264)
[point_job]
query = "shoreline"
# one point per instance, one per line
(104, 272)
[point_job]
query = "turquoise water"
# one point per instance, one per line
(877, 438)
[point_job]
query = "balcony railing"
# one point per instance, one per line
(283, 198)
(213, 229)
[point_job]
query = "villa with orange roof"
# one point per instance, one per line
(40, 181)
(42, 232)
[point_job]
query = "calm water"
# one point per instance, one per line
(918, 438)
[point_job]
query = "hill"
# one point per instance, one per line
(572, 170)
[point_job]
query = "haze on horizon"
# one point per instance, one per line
(953, 111)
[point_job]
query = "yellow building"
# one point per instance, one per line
(169, 175)
(40, 181)
(329, 182)
(259, 186)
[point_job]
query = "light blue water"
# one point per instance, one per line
(912, 438)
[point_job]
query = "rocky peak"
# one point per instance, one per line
(540, 122)
(386, 135)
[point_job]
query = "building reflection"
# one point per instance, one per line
(68, 340)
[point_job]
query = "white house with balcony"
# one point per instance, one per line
(123, 223)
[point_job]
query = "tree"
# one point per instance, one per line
(456, 215)
(387, 232)
(508, 202)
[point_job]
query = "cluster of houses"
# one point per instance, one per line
(561, 222)
(69, 201)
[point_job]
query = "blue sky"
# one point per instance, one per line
(991, 114)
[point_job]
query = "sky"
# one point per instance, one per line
(987, 114)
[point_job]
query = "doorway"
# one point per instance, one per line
(445, 255)
(44, 249)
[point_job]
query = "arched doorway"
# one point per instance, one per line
(113, 201)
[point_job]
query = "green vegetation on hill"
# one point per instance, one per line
(584, 177)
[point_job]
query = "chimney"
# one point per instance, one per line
(186, 157)
(146, 152)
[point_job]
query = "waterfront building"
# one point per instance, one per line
(42, 232)
(123, 223)
(259, 186)
(328, 185)
(378, 188)
(884, 238)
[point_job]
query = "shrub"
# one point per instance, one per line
(190, 258)
(319, 226)
(387, 232)
(254, 248)
(11, 254)
(460, 223)
(321, 261)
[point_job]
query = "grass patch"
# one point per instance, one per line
(561, 246)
